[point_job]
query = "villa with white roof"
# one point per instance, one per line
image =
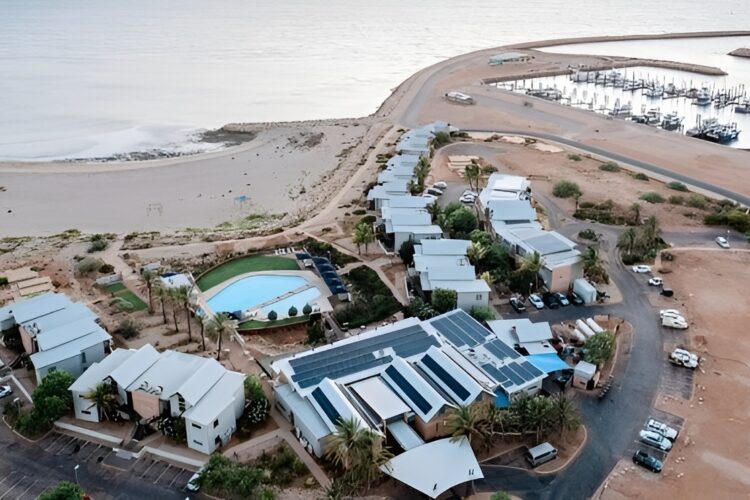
(444, 264)
(150, 385)
(58, 334)
(504, 187)
(401, 380)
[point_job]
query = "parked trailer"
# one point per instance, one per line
(594, 325)
(584, 328)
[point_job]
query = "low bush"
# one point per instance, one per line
(323, 249)
(588, 234)
(566, 189)
(88, 265)
(128, 328)
(292, 312)
(368, 219)
(481, 313)
(676, 200)
(641, 177)
(107, 269)
(359, 211)
(3, 281)
(575, 157)
(98, 243)
(372, 300)
(677, 186)
(734, 218)
(697, 201)
(652, 197)
(610, 166)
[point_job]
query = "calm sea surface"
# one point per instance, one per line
(94, 78)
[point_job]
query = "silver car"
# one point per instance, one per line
(656, 440)
(661, 428)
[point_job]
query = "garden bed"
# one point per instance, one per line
(120, 290)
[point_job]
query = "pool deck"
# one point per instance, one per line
(313, 280)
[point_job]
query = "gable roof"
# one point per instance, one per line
(421, 397)
(66, 333)
(511, 210)
(199, 383)
(168, 373)
(73, 312)
(101, 370)
(134, 367)
(519, 331)
(36, 307)
(443, 247)
(68, 350)
(451, 379)
(216, 398)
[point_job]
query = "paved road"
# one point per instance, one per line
(26, 470)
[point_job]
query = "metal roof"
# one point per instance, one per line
(134, 367)
(548, 243)
(443, 247)
(359, 353)
(425, 262)
(380, 398)
(435, 467)
(511, 210)
(66, 333)
(303, 411)
(421, 397)
(413, 217)
(404, 435)
(522, 330)
(216, 398)
(451, 273)
(333, 405)
(403, 161)
(449, 377)
(460, 328)
(70, 313)
(431, 230)
(69, 349)
(99, 371)
(515, 374)
(167, 373)
(198, 384)
(407, 201)
(36, 307)
(468, 286)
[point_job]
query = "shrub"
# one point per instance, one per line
(368, 219)
(600, 348)
(481, 313)
(588, 234)
(88, 265)
(734, 218)
(51, 400)
(292, 312)
(610, 166)
(574, 157)
(641, 177)
(272, 315)
(461, 222)
(566, 189)
(98, 243)
(652, 197)
(107, 269)
(677, 186)
(359, 211)
(676, 200)
(372, 300)
(444, 300)
(3, 281)
(441, 139)
(64, 490)
(406, 252)
(173, 428)
(696, 201)
(128, 328)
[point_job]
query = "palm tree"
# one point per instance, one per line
(219, 327)
(532, 264)
(466, 421)
(175, 300)
(363, 235)
(539, 416)
(435, 211)
(627, 241)
(650, 232)
(149, 277)
(487, 278)
(162, 294)
(476, 252)
(564, 414)
(472, 174)
(421, 170)
(635, 209)
(182, 294)
(345, 443)
(202, 322)
(104, 397)
(359, 451)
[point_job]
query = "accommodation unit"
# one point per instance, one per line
(411, 225)
(525, 336)
(418, 202)
(378, 194)
(152, 385)
(444, 264)
(504, 187)
(510, 214)
(57, 333)
(509, 57)
(417, 140)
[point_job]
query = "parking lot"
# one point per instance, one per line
(16, 485)
(83, 452)
(673, 421)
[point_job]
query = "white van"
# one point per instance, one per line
(541, 454)
(672, 322)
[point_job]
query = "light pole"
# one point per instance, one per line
(727, 237)
(75, 470)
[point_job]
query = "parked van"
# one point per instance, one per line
(541, 454)
(672, 322)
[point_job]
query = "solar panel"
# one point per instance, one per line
(326, 406)
(513, 376)
(521, 371)
(535, 371)
(408, 389)
(452, 333)
(447, 379)
(470, 326)
(495, 373)
(500, 350)
(316, 378)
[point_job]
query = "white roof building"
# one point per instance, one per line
(504, 187)
(533, 338)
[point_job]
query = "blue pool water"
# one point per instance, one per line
(254, 290)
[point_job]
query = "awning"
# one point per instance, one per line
(435, 467)
(404, 435)
(548, 363)
(501, 399)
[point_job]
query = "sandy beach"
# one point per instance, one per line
(291, 171)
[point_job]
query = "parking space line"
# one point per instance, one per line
(178, 476)
(65, 445)
(169, 466)
(8, 475)
(59, 436)
(92, 453)
(11, 488)
(153, 462)
(174, 479)
(27, 489)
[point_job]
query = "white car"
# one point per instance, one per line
(681, 357)
(430, 197)
(470, 192)
(656, 440)
(670, 312)
(192, 484)
(5, 391)
(656, 281)
(536, 301)
(467, 199)
(641, 269)
(722, 242)
(441, 185)
(661, 428)
(678, 323)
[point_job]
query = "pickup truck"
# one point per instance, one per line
(681, 357)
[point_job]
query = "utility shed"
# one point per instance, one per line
(584, 375)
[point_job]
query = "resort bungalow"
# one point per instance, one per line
(415, 225)
(561, 262)
(510, 214)
(207, 396)
(524, 336)
(413, 144)
(504, 187)
(509, 57)
(418, 202)
(378, 194)
(444, 264)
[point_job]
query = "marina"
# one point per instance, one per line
(699, 106)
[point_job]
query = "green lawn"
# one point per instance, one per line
(119, 290)
(254, 324)
(244, 265)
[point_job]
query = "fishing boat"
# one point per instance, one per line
(622, 111)
(743, 108)
(702, 98)
(550, 94)
(723, 134)
(671, 121)
(655, 92)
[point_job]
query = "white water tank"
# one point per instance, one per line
(584, 328)
(594, 325)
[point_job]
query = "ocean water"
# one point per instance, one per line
(91, 78)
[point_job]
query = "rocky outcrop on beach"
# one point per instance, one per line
(740, 52)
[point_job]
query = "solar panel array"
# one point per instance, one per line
(354, 357)
(328, 408)
(461, 329)
(513, 374)
(501, 350)
(446, 377)
(408, 389)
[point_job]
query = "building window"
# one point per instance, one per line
(197, 442)
(216, 423)
(196, 426)
(479, 296)
(83, 357)
(181, 403)
(86, 412)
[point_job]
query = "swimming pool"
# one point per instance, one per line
(252, 291)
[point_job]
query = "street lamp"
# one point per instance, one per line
(75, 470)
(727, 236)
